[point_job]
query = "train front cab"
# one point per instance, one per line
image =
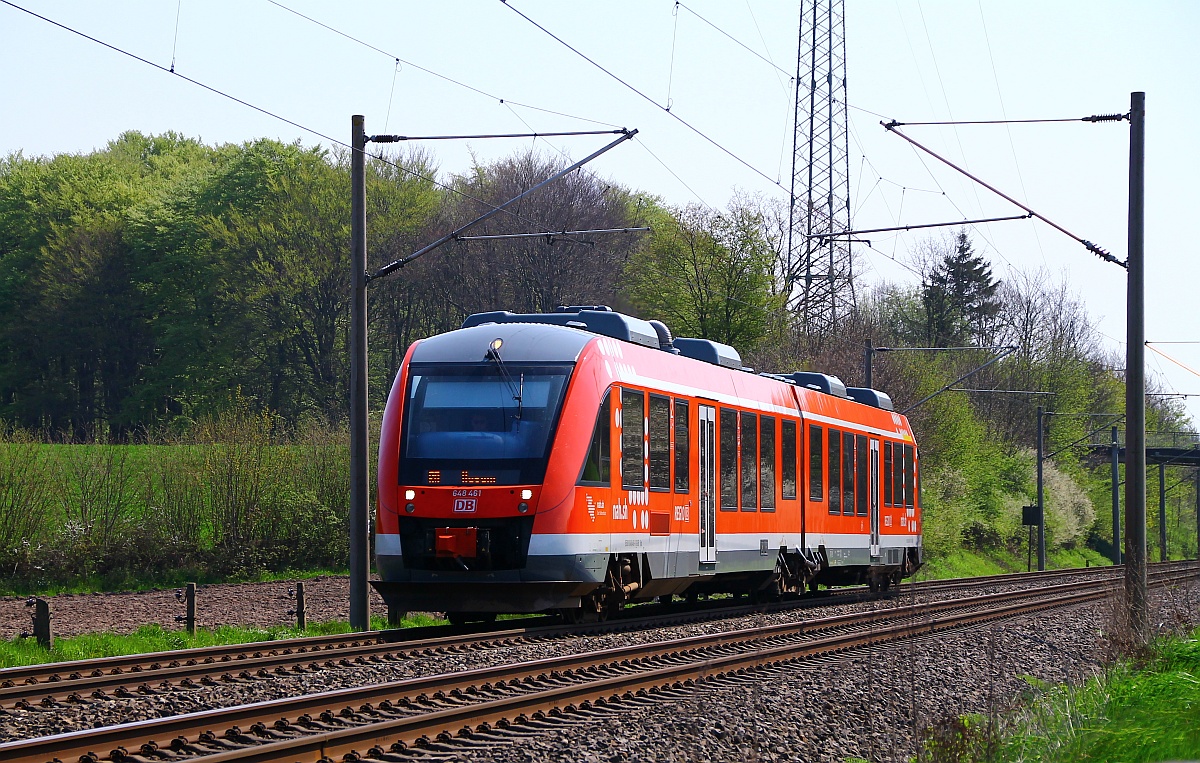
(470, 479)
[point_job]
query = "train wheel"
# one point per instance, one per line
(779, 583)
(572, 616)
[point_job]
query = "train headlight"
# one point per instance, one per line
(522, 507)
(410, 508)
(410, 494)
(526, 495)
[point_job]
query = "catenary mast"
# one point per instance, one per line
(820, 271)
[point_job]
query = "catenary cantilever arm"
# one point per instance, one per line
(394, 266)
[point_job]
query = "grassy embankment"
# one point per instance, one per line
(969, 563)
(1141, 710)
(238, 499)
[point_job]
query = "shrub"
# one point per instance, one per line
(26, 496)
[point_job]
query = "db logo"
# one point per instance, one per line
(464, 504)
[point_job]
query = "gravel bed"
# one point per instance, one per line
(249, 604)
(871, 704)
(863, 704)
(246, 604)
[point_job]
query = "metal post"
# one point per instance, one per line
(41, 624)
(868, 361)
(189, 601)
(1198, 514)
(1135, 382)
(1041, 503)
(359, 495)
(301, 617)
(1162, 512)
(1116, 497)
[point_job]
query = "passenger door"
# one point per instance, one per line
(873, 491)
(708, 484)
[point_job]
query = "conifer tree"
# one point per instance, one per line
(958, 297)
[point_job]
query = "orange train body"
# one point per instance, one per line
(578, 460)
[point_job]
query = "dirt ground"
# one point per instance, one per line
(248, 604)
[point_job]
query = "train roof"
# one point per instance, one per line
(521, 343)
(540, 337)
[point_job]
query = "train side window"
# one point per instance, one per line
(887, 474)
(897, 474)
(749, 470)
(682, 442)
(766, 464)
(633, 439)
(909, 492)
(788, 471)
(917, 478)
(835, 471)
(729, 453)
(860, 445)
(596, 465)
(816, 466)
(660, 443)
(847, 473)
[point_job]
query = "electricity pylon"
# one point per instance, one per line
(820, 271)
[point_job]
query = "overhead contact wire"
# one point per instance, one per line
(273, 115)
(430, 72)
(391, 96)
(647, 98)
(1182, 365)
(671, 68)
(1101, 253)
(736, 41)
(175, 42)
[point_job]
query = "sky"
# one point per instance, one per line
(724, 69)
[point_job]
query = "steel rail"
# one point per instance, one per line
(1019, 577)
(152, 673)
(404, 732)
(263, 715)
(57, 681)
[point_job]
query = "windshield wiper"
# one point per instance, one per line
(493, 354)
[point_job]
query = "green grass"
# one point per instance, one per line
(1147, 712)
(155, 638)
(177, 578)
(968, 563)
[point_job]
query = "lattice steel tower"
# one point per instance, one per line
(820, 271)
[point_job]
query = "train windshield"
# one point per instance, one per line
(488, 424)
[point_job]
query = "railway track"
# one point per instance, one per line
(149, 674)
(437, 713)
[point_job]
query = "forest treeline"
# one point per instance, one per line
(147, 287)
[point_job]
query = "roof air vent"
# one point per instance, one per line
(710, 352)
(600, 321)
(830, 385)
(577, 308)
(871, 397)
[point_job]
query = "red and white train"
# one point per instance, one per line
(577, 460)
